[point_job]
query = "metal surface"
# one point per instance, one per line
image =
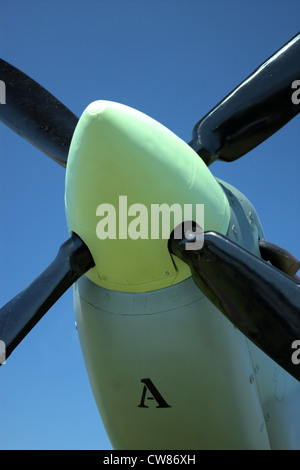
(22, 313)
(253, 111)
(35, 114)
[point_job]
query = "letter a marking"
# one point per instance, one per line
(148, 385)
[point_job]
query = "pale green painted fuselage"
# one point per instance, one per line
(167, 369)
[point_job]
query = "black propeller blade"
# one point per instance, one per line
(253, 111)
(35, 114)
(280, 258)
(22, 313)
(261, 301)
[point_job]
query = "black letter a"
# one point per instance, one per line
(155, 395)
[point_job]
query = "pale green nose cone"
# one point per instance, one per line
(122, 167)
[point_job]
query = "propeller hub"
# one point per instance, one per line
(129, 182)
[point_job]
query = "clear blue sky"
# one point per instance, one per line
(173, 60)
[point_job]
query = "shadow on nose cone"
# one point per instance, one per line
(121, 165)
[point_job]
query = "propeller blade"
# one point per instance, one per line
(253, 111)
(261, 301)
(280, 258)
(35, 114)
(22, 313)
